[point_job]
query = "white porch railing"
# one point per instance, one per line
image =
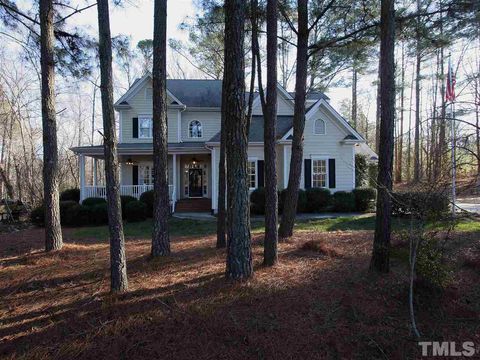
(125, 190)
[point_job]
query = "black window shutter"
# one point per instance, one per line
(134, 175)
(135, 128)
(308, 173)
(331, 174)
(261, 173)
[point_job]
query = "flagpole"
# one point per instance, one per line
(454, 166)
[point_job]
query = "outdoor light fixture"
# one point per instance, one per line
(194, 161)
(129, 162)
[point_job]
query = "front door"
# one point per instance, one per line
(195, 181)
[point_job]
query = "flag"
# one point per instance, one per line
(450, 91)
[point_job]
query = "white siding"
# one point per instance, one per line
(210, 124)
(329, 145)
(141, 104)
(284, 106)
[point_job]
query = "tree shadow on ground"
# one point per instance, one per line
(181, 307)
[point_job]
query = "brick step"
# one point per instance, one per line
(193, 205)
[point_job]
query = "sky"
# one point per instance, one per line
(136, 20)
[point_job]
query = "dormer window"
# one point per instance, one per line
(320, 127)
(195, 129)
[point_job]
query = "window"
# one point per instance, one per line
(252, 174)
(319, 127)
(319, 173)
(195, 129)
(145, 127)
(145, 175)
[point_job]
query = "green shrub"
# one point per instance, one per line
(301, 202)
(421, 205)
(430, 265)
(65, 207)
(70, 195)
(257, 201)
(91, 201)
(125, 199)
(78, 215)
(147, 199)
(343, 201)
(364, 198)
(135, 211)
(99, 214)
(318, 199)
(361, 170)
(37, 216)
(372, 174)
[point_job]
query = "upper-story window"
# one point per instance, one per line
(320, 127)
(145, 126)
(195, 129)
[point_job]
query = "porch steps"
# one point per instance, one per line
(193, 205)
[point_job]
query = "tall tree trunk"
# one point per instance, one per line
(399, 177)
(270, 255)
(239, 248)
(222, 174)
(409, 140)
(477, 111)
(291, 196)
(354, 97)
(433, 128)
(380, 261)
(161, 208)
(118, 263)
(441, 148)
(53, 230)
(440, 154)
(416, 157)
(378, 113)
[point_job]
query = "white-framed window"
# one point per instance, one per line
(195, 129)
(145, 127)
(145, 175)
(319, 173)
(319, 127)
(252, 174)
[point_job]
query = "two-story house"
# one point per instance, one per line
(330, 144)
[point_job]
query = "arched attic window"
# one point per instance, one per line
(319, 128)
(195, 129)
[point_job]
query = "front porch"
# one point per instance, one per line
(189, 175)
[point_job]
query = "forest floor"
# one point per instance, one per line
(319, 302)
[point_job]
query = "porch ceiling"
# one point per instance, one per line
(143, 149)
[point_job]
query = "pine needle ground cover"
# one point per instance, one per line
(319, 302)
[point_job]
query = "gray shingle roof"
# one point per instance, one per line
(284, 123)
(197, 93)
(124, 148)
(314, 95)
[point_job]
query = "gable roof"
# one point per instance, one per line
(284, 123)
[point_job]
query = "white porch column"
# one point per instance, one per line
(95, 165)
(286, 161)
(81, 165)
(214, 179)
(174, 160)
